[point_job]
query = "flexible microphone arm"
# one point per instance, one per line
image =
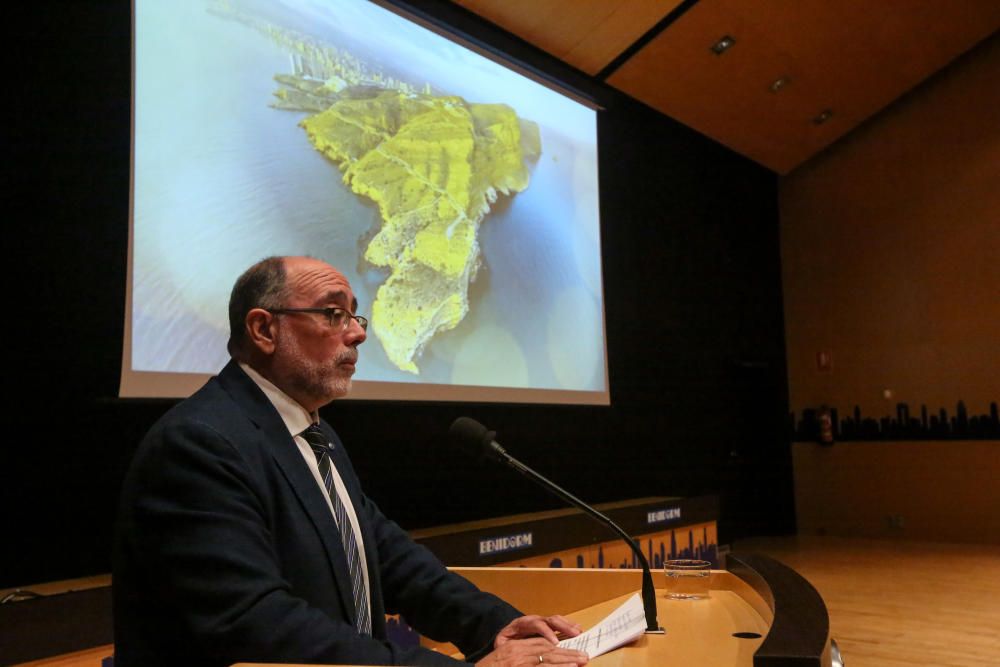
(648, 593)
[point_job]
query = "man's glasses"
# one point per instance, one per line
(338, 317)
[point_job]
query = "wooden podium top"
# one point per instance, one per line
(744, 615)
(698, 632)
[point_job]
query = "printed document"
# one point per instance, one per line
(623, 625)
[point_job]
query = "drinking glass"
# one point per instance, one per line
(687, 579)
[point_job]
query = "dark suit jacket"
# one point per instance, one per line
(226, 551)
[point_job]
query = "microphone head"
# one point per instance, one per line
(473, 438)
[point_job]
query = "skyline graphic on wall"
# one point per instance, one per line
(925, 425)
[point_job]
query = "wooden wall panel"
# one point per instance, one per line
(942, 491)
(891, 254)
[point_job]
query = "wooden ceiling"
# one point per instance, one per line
(845, 59)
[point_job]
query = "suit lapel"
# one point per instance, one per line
(286, 454)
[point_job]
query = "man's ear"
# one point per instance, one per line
(261, 328)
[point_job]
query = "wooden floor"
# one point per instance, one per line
(901, 603)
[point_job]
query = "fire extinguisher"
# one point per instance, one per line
(825, 425)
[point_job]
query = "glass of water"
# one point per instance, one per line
(687, 579)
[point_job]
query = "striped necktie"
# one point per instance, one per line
(321, 448)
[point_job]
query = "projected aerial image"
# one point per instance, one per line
(459, 197)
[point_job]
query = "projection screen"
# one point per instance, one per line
(459, 197)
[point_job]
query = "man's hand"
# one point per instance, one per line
(523, 627)
(531, 653)
(529, 641)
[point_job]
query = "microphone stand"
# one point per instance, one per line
(648, 593)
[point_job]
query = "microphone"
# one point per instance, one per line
(472, 437)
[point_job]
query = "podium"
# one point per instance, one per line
(760, 613)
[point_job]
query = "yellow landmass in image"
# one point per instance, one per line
(434, 165)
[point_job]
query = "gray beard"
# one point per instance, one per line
(322, 386)
(323, 382)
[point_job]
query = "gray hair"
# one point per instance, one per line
(260, 286)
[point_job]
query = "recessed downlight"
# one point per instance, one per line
(823, 116)
(724, 44)
(779, 83)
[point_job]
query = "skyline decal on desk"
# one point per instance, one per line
(923, 425)
(617, 555)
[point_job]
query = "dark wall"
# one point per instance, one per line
(693, 304)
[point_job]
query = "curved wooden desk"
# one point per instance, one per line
(757, 595)
(781, 617)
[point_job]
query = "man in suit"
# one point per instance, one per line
(244, 534)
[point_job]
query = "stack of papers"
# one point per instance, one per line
(623, 625)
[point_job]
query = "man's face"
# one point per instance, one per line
(313, 362)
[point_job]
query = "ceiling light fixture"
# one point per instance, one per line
(723, 45)
(779, 83)
(823, 116)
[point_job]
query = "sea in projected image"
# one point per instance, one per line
(224, 178)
